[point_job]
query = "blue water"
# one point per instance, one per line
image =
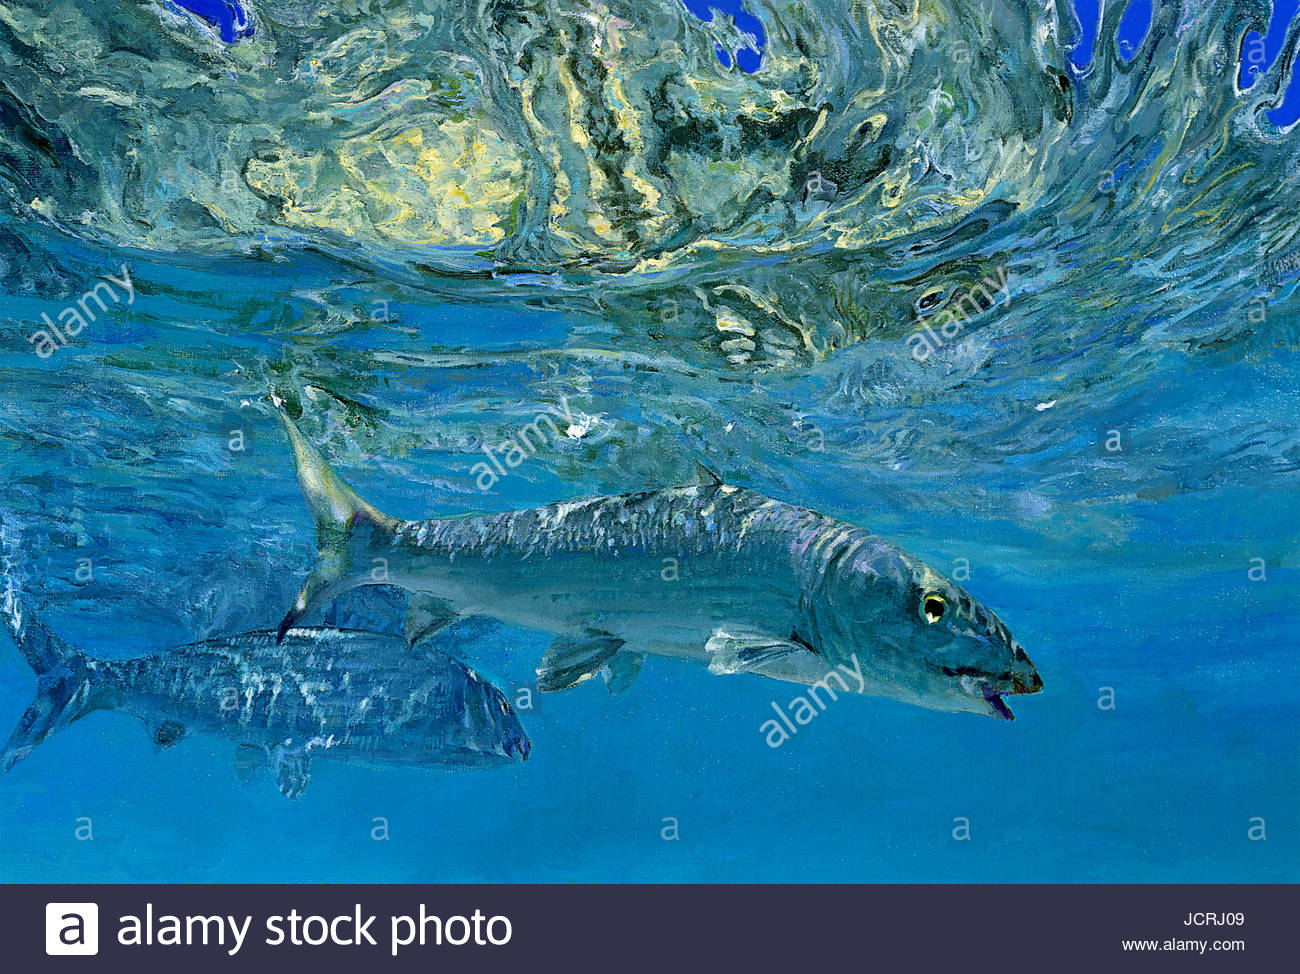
(230, 19)
(749, 57)
(1260, 49)
(1155, 586)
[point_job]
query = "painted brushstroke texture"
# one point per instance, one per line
(926, 269)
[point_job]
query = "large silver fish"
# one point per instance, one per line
(708, 571)
(355, 696)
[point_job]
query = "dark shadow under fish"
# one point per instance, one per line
(354, 696)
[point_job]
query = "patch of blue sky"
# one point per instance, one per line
(1259, 51)
(748, 58)
(229, 17)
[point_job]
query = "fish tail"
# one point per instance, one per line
(64, 676)
(340, 516)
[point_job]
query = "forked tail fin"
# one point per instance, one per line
(338, 512)
(64, 684)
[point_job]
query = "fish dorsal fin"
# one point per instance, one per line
(572, 659)
(165, 733)
(706, 477)
(292, 768)
(621, 670)
(427, 616)
(751, 651)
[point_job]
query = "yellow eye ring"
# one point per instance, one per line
(932, 607)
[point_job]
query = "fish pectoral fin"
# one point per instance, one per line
(249, 758)
(427, 616)
(621, 670)
(751, 651)
(165, 733)
(572, 659)
(292, 769)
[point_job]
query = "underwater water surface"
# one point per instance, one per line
(923, 267)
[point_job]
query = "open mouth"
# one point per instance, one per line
(996, 706)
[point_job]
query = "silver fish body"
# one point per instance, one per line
(349, 695)
(708, 571)
(353, 696)
(662, 569)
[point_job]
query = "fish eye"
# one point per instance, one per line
(505, 707)
(933, 606)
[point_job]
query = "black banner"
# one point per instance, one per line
(650, 928)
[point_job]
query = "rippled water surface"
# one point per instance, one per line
(1014, 292)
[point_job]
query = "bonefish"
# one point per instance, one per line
(709, 571)
(355, 696)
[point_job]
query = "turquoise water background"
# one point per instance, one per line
(1151, 597)
(1155, 586)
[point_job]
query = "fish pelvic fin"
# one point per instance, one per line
(427, 616)
(65, 678)
(343, 522)
(574, 658)
(706, 477)
(621, 670)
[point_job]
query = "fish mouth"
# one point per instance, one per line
(996, 707)
(993, 696)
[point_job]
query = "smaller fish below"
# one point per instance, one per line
(227, 17)
(354, 696)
